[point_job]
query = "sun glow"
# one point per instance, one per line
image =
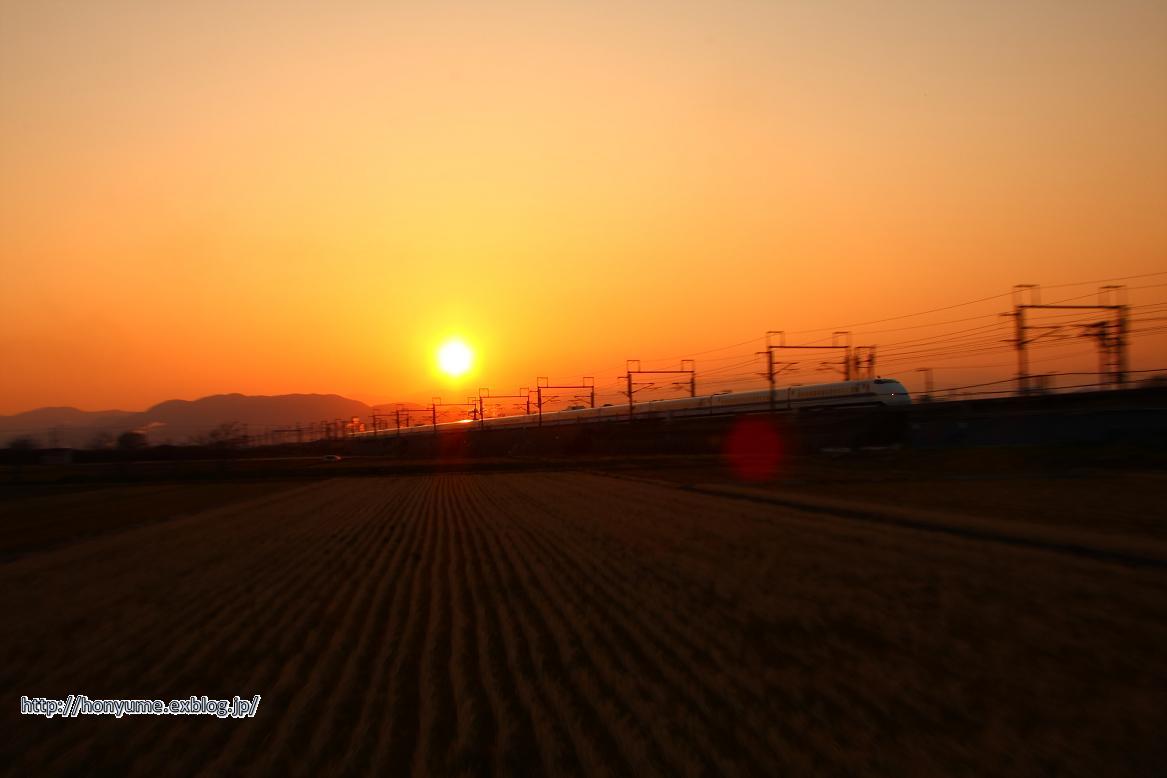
(454, 357)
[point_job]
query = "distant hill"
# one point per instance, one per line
(179, 421)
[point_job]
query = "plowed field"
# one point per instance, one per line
(569, 623)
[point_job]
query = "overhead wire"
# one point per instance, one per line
(961, 342)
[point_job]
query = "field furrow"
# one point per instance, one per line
(437, 722)
(399, 724)
(695, 648)
(562, 655)
(567, 745)
(630, 696)
(339, 601)
(246, 644)
(172, 639)
(637, 655)
(473, 751)
(516, 699)
(154, 608)
(564, 623)
(380, 576)
(370, 685)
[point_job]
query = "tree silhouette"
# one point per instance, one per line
(229, 434)
(23, 444)
(101, 441)
(132, 441)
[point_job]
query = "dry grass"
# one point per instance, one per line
(1121, 502)
(37, 517)
(570, 623)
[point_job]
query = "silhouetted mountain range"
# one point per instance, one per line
(179, 421)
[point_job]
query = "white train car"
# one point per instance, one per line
(872, 393)
(878, 392)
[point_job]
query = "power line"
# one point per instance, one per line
(1108, 280)
(933, 310)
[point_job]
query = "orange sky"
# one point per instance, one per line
(277, 197)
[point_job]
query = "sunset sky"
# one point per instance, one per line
(275, 197)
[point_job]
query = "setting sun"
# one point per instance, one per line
(454, 357)
(517, 378)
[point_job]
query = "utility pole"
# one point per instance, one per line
(769, 355)
(927, 371)
(523, 394)
(397, 416)
(376, 422)
(1019, 291)
(835, 346)
(1111, 335)
(846, 354)
(1114, 294)
(864, 359)
(772, 376)
(542, 383)
(436, 403)
(628, 366)
(632, 366)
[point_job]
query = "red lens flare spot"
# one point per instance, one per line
(753, 450)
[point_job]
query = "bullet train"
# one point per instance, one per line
(873, 393)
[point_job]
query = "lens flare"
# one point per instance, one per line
(753, 449)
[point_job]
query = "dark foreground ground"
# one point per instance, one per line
(853, 616)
